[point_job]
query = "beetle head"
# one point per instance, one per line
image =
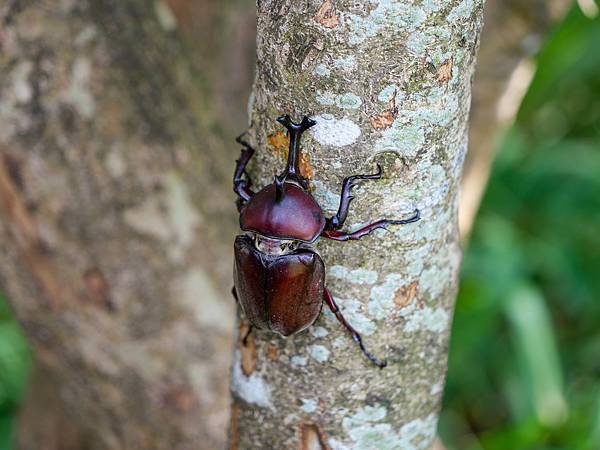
(284, 209)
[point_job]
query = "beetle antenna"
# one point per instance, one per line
(295, 131)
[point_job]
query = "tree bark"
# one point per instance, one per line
(114, 224)
(388, 82)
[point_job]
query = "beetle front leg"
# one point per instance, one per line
(241, 179)
(336, 222)
(355, 335)
(343, 236)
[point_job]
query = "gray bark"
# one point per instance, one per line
(115, 216)
(388, 82)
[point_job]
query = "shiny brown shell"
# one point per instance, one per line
(296, 215)
(283, 293)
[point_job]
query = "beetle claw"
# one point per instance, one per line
(415, 218)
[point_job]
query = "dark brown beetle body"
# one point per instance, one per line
(278, 293)
(279, 279)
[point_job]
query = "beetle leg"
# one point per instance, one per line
(355, 335)
(336, 222)
(241, 180)
(343, 236)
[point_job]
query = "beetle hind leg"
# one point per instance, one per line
(355, 334)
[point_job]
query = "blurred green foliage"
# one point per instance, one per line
(14, 365)
(525, 350)
(525, 353)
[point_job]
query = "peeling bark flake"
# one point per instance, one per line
(387, 117)
(444, 71)
(272, 352)
(406, 294)
(312, 437)
(247, 351)
(327, 15)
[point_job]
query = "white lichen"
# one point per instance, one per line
(405, 139)
(422, 41)
(345, 62)
(252, 389)
(308, 405)
(435, 320)
(340, 342)
(348, 101)
(322, 70)
(367, 431)
(382, 295)
(298, 360)
(325, 98)
(327, 199)
(352, 311)
(434, 279)
(388, 13)
(462, 11)
(357, 276)
(318, 332)
(388, 92)
(319, 353)
(335, 132)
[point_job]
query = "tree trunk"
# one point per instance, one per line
(388, 82)
(115, 224)
(512, 35)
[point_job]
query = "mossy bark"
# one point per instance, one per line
(115, 224)
(388, 82)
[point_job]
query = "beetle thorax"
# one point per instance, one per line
(276, 247)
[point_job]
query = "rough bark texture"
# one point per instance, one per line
(389, 82)
(114, 221)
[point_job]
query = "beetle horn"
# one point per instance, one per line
(295, 131)
(279, 192)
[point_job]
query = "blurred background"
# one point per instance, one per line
(524, 369)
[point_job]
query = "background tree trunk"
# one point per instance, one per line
(511, 36)
(388, 82)
(115, 219)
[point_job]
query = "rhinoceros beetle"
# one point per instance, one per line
(279, 279)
